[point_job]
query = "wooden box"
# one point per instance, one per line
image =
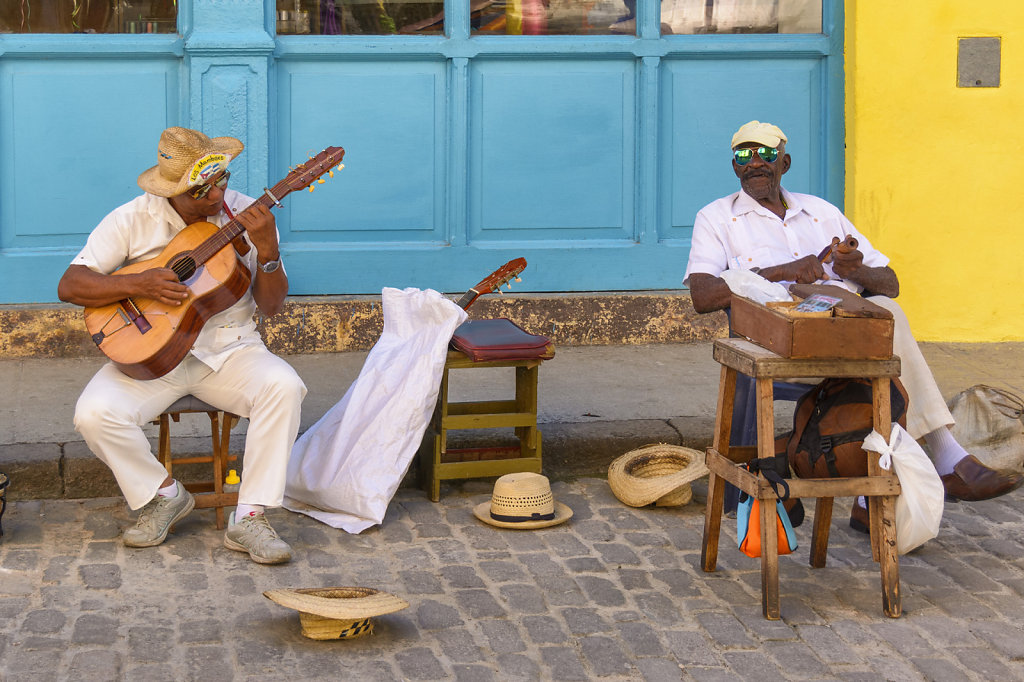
(830, 334)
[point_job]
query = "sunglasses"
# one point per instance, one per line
(745, 155)
(221, 182)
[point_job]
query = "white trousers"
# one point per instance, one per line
(252, 383)
(927, 411)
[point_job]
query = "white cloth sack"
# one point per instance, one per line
(919, 505)
(755, 287)
(345, 469)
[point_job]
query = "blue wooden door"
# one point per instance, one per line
(589, 155)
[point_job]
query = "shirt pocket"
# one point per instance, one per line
(752, 258)
(224, 336)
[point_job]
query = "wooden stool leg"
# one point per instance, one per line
(769, 560)
(429, 478)
(712, 523)
(164, 444)
(769, 528)
(822, 522)
(883, 509)
(526, 402)
(716, 486)
(434, 490)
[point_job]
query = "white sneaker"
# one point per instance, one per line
(254, 535)
(157, 517)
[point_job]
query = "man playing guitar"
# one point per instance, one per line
(227, 364)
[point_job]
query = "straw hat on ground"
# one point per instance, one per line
(524, 501)
(336, 612)
(658, 473)
(186, 158)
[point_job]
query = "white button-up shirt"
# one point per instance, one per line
(736, 232)
(139, 230)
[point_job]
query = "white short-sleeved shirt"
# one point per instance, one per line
(139, 230)
(736, 232)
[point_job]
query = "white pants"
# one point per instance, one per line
(252, 383)
(927, 410)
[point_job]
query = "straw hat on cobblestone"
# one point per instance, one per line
(522, 500)
(657, 473)
(336, 612)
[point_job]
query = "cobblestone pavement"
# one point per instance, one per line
(616, 593)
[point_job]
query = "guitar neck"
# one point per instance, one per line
(468, 298)
(227, 233)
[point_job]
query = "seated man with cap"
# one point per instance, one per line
(228, 365)
(778, 234)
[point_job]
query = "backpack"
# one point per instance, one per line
(830, 424)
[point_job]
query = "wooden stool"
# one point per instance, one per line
(443, 463)
(209, 493)
(881, 487)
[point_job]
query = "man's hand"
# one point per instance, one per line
(160, 284)
(259, 222)
(82, 286)
(846, 265)
(806, 270)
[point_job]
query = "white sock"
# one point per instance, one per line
(243, 510)
(946, 452)
(169, 491)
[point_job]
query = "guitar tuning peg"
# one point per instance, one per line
(519, 279)
(320, 181)
(330, 173)
(509, 285)
(311, 188)
(340, 166)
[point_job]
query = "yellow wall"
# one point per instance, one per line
(935, 173)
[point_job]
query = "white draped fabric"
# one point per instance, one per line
(345, 469)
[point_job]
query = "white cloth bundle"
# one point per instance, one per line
(345, 469)
(919, 505)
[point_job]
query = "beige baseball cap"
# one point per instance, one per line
(761, 133)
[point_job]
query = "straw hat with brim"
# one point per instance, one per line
(336, 612)
(657, 473)
(186, 158)
(523, 501)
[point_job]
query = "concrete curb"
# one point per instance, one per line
(570, 451)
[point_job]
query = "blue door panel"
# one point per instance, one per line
(587, 155)
(389, 117)
(82, 129)
(706, 101)
(551, 150)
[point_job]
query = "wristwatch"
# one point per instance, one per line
(270, 265)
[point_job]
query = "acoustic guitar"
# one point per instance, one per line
(145, 338)
(493, 281)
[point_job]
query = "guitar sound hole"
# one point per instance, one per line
(184, 268)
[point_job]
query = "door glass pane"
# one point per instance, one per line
(360, 17)
(740, 16)
(553, 17)
(88, 16)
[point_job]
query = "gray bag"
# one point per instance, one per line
(989, 425)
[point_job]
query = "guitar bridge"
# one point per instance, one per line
(130, 313)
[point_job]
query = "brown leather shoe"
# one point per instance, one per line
(860, 519)
(971, 480)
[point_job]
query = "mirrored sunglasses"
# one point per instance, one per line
(202, 191)
(745, 155)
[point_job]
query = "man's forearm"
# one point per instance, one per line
(269, 291)
(709, 293)
(877, 281)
